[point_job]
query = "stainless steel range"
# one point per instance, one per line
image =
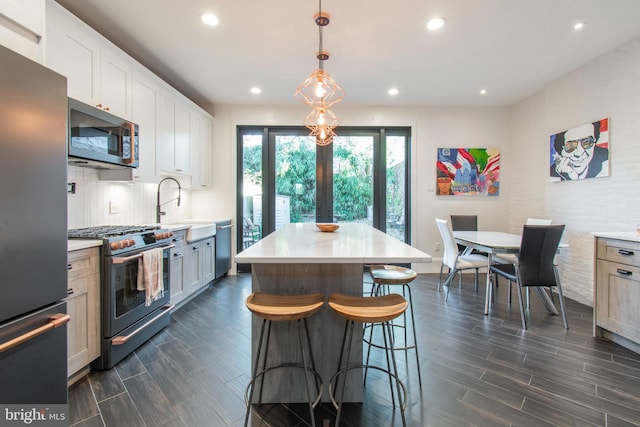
(127, 322)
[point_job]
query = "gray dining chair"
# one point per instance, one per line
(454, 260)
(513, 258)
(535, 267)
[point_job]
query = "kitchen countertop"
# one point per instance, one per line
(77, 244)
(351, 243)
(630, 236)
(188, 223)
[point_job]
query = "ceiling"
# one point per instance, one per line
(511, 48)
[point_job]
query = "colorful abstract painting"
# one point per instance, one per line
(468, 172)
(580, 153)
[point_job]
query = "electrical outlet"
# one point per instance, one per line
(436, 246)
(113, 207)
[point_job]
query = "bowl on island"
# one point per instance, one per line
(327, 228)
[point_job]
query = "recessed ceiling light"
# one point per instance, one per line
(393, 91)
(256, 90)
(210, 19)
(436, 24)
(579, 25)
(483, 91)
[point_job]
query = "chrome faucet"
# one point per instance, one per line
(158, 211)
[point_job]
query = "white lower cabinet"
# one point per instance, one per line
(83, 305)
(177, 268)
(192, 266)
(208, 260)
(193, 262)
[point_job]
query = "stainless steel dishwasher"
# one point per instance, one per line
(223, 247)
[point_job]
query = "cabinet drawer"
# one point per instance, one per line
(82, 263)
(619, 251)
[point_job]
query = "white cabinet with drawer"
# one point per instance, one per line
(617, 291)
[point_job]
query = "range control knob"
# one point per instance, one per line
(113, 246)
(129, 242)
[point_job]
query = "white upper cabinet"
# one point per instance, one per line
(174, 133)
(98, 73)
(174, 142)
(146, 113)
(22, 27)
(201, 174)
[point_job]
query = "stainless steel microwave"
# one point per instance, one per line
(99, 139)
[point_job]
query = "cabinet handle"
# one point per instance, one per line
(178, 239)
(208, 243)
(623, 272)
(177, 254)
(195, 248)
(69, 266)
(625, 252)
(70, 291)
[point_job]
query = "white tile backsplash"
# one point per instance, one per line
(135, 202)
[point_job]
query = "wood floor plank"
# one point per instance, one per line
(121, 411)
(82, 404)
(106, 384)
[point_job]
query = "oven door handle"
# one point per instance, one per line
(132, 257)
(119, 340)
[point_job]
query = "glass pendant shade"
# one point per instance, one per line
(321, 121)
(320, 89)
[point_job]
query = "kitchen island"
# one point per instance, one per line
(299, 258)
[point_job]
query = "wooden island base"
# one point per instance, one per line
(325, 328)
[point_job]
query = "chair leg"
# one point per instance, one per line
(415, 339)
(253, 377)
(561, 298)
(475, 283)
(440, 277)
(344, 382)
(306, 379)
(401, 404)
(521, 300)
(447, 282)
(509, 292)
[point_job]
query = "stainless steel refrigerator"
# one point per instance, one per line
(33, 232)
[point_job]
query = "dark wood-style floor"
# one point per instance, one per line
(477, 370)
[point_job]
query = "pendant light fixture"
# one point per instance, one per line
(320, 91)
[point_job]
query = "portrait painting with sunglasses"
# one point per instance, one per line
(580, 153)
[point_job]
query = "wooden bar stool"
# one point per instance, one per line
(385, 276)
(281, 308)
(376, 309)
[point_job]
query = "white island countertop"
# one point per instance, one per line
(630, 236)
(351, 243)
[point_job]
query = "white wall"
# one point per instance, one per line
(431, 128)
(606, 87)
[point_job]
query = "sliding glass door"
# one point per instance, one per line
(284, 177)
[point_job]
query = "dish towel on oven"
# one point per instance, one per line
(150, 275)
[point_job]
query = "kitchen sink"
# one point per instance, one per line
(200, 231)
